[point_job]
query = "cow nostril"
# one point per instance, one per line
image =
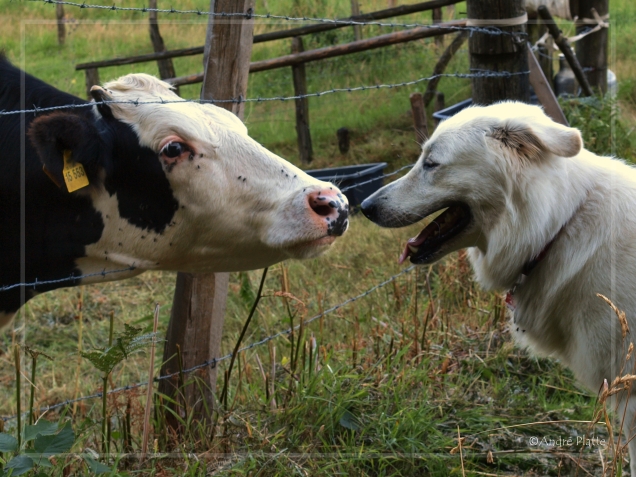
(322, 210)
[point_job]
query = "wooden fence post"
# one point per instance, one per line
(591, 50)
(305, 149)
(61, 28)
(196, 322)
(166, 67)
(92, 78)
(419, 117)
(498, 52)
(343, 140)
(355, 11)
(437, 18)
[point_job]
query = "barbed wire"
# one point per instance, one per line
(213, 362)
(358, 174)
(479, 74)
(67, 279)
(269, 16)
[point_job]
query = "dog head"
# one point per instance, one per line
(477, 166)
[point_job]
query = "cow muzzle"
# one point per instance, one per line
(330, 209)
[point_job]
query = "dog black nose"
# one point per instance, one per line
(369, 209)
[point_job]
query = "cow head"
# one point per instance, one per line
(181, 186)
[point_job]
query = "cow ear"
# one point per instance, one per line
(59, 134)
(531, 141)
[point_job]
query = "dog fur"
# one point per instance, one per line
(531, 187)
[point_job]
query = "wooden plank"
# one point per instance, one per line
(544, 92)
(419, 117)
(338, 50)
(305, 149)
(498, 53)
(196, 323)
(356, 46)
(379, 15)
(129, 60)
(271, 36)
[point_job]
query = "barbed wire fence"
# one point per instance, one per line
(34, 109)
(215, 361)
(270, 16)
(478, 74)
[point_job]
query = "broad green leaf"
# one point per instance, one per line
(42, 427)
(42, 462)
(47, 446)
(8, 443)
(20, 464)
(96, 466)
(124, 344)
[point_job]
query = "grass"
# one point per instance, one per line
(387, 385)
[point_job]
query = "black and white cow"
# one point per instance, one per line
(172, 186)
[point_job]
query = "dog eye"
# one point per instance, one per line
(173, 149)
(428, 164)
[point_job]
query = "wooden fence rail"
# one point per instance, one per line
(338, 50)
(92, 68)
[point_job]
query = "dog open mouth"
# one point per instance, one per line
(447, 225)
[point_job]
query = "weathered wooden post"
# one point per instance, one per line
(343, 140)
(437, 18)
(305, 149)
(355, 11)
(61, 28)
(591, 50)
(92, 78)
(166, 68)
(419, 117)
(196, 323)
(498, 52)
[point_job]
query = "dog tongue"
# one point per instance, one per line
(414, 242)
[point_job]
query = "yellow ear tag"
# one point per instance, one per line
(74, 173)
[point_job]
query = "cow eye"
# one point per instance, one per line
(172, 150)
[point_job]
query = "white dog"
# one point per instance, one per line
(543, 218)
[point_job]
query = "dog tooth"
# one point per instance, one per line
(413, 249)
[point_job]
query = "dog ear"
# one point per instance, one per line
(528, 141)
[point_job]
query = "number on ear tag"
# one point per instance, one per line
(74, 173)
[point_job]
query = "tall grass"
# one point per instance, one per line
(388, 385)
